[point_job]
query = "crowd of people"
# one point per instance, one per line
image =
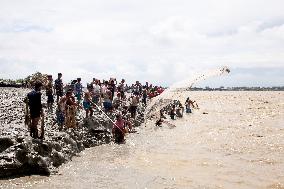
(107, 97)
(176, 110)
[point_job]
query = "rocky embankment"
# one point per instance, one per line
(22, 155)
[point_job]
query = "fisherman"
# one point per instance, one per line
(36, 111)
(118, 129)
(87, 103)
(160, 120)
(188, 104)
(173, 112)
(78, 90)
(58, 87)
(180, 110)
(49, 94)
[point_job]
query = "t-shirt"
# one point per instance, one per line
(119, 124)
(58, 85)
(78, 88)
(35, 100)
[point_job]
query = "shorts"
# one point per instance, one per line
(86, 105)
(122, 94)
(78, 96)
(118, 136)
(132, 109)
(60, 117)
(107, 105)
(136, 93)
(59, 93)
(35, 113)
(188, 110)
(50, 98)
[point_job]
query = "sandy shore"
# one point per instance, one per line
(235, 140)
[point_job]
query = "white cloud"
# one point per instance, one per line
(161, 41)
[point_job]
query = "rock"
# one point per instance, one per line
(5, 143)
(57, 159)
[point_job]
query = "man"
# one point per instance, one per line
(96, 94)
(58, 87)
(188, 104)
(49, 94)
(87, 103)
(117, 101)
(34, 102)
(137, 89)
(121, 88)
(78, 90)
(134, 101)
(112, 88)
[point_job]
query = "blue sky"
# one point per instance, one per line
(163, 41)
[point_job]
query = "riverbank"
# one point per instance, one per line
(21, 155)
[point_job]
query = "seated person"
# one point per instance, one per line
(118, 129)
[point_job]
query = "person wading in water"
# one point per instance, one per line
(118, 129)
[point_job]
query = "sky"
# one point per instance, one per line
(160, 41)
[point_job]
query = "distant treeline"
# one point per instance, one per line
(11, 83)
(281, 88)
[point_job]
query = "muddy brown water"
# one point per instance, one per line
(238, 143)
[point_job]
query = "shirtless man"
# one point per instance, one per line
(134, 100)
(87, 103)
(96, 94)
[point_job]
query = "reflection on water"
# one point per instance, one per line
(233, 146)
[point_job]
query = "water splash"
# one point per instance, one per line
(174, 92)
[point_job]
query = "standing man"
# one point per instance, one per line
(78, 90)
(49, 94)
(34, 102)
(121, 88)
(58, 87)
